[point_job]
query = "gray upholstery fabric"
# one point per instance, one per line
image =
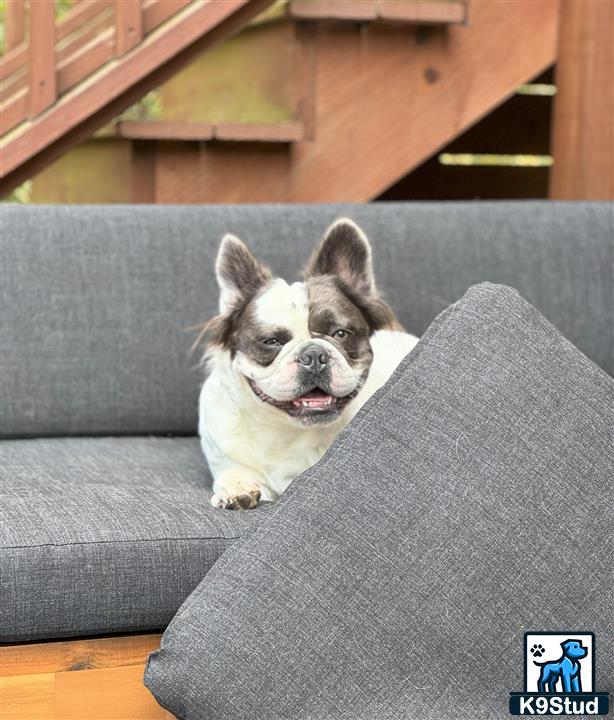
(95, 299)
(470, 501)
(104, 535)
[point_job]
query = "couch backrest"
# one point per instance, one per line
(95, 300)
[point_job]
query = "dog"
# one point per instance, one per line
(289, 365)
(566, 669)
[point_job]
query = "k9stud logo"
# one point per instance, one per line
(559, 676)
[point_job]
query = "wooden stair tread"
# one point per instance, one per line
(287, 132)
(164, 130)
(283, 132)
(402, 11)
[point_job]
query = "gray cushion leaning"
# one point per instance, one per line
(95, 300)
(104, 534)
(470, 501)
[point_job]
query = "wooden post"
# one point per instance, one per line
(43, 85)
(128, 25)
(583, 131)
(14, 23)
(144, 154)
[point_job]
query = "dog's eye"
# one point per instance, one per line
(272, 342)
(340, 334)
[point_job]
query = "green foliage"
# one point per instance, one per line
(147, 108)
(62, 7)
(2, 24)
(21, 195)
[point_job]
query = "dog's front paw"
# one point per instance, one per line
(230, 501)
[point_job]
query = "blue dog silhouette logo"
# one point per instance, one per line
(559, 676)
(564, 671)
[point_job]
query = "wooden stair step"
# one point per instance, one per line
(285, 132)
(401, 11)
(164, 130)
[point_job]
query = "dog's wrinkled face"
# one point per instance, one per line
(302, 349)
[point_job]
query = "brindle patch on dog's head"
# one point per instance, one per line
(241, 279)
(334, 307)
(341, 286)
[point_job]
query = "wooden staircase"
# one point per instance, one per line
(75, 75)
(380, 85)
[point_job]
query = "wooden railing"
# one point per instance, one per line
(45, 58)
(69, 78)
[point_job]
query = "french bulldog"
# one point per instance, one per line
(289, 365)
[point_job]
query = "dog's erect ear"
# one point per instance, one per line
(344, 251)
(238, 273)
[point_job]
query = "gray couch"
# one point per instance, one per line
(106, 525)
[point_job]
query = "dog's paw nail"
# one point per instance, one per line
(245, 501)
(248, 500)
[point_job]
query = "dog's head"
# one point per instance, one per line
(300, 350)
(574, 649)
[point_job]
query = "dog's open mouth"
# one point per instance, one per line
(315, 404)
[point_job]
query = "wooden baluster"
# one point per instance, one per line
(14, 14)
(128, 25)
(43, 84)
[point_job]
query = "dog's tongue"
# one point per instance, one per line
(315, 399)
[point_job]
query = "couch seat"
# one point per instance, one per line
(105, 535)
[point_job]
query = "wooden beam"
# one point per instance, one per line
(86, 61)
(14, 110)
(284, 132)
(155, 12)
(81, 654)
(422, 11)
(144, 155)
(69, 46)
(288, 132)
(128, 25)
(108, 93)
(164, 130)
(355, 10)
(43, 85)
(406, 11)
(13, 59)
(305, 74)
(76, 679)
(80, 15)
(14, 24)
(583, 130)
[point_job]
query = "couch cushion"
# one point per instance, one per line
(95, 300)
(471, 500)
(105, 535)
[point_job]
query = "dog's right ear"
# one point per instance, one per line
(344, 251)
(238, 273)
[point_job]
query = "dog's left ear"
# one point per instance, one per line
(344, 251)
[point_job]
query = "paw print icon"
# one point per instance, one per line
(537, 650)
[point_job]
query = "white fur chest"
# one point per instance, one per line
(237, 429)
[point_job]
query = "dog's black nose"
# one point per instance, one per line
(314, 357)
